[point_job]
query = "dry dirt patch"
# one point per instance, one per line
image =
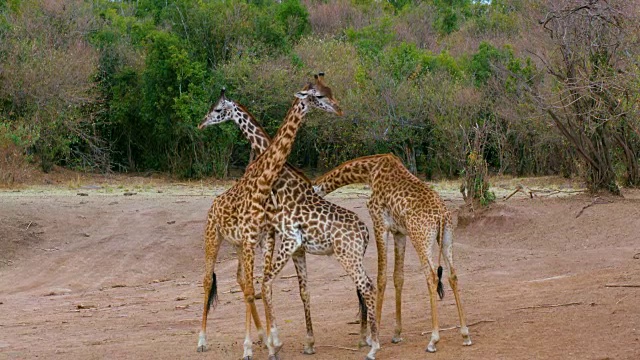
(114, 276)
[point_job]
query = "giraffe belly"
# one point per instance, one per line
(391, 225)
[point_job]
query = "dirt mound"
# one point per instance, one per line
(16, 237)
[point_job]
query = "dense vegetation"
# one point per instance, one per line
(453, 87)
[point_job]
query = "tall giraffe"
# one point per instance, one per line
(401, 204)
(237, 214)
(321, 223)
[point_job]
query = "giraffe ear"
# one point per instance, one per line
(302, 94)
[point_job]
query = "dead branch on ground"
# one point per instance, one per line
(623, 285)
(595, 201)
(338, 347)
(549, 306)
(458, 326)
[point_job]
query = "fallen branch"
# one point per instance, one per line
(289, 276)
(623, 285)
(595, 201)
(549, 306)
(338, 347)
(520, 188)
(458, 326)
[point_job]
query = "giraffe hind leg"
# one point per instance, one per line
(212, 245)
(453, 281)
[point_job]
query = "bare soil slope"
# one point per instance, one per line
(109, 276)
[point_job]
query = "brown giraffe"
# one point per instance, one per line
(237, 214)
(401, 204)
(319, 226)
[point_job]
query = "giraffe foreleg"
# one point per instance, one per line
(248, 255)
(209, 283)
(398, 282)
(301, 269)
(254, 311)
(380, 233)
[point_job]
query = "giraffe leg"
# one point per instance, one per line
(287, 247)
(398, 282)
(212, 245)
(352, 263)
(424, 250)
(254, 311)
(248, 254)
(381, 234)
(453, 281)
(301, 269)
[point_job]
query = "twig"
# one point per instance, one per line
(289, 276)
(595, 201)
(338, 347)
(28, 226)
(623, 285)
(232, 291)
(457, 326)
(622, 298)
(549, 306)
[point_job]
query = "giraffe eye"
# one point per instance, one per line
(320, 96)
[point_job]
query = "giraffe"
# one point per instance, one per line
(236, 215)
(323, 226)
(401, 204)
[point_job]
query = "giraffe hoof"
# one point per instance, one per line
(247, 358)
(273, 357)
(309, 351)
(396, 340)
(467, 342)
(202, 348)
(362, 344)
(431, 348)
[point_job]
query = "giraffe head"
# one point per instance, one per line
(319, 95)
(220, 112)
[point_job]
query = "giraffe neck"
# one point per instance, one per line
(268, 165)
(251, 129)
(354, 171)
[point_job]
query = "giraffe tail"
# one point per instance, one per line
(440, 288)
(213, 292)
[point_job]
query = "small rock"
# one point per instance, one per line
(171, 222)
(180, 298)
(86, 235)
(160, 191)
(129, 194)
(113, 203)
(83, 194)
(178, 307)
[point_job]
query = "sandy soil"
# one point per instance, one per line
(108, 276)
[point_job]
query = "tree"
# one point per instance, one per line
(586, 67)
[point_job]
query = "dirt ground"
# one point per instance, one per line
(109, 276)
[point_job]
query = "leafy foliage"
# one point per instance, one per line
(121, 86)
